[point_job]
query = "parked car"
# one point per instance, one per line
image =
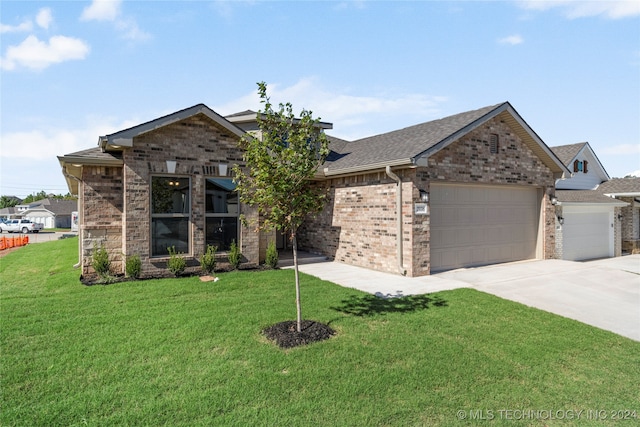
(21, 226)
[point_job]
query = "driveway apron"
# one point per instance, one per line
(603, 293)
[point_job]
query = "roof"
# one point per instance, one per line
(72, 163)
(124, 138)
(620, 187)
(566, 153)
(55, 206)
(251, 116)
(413, 145)
(593, 197)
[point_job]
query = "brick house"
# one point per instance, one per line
(161, 184)
(474, 188)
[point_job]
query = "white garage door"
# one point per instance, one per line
(475, 225)
(587, 232)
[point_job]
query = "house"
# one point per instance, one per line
(466, 190)
(587, 225)
(53, 213)
(626, 190)
(471, 189)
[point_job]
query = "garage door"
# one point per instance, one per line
(587, 232)
(475, 225)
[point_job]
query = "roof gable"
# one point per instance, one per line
(579, 179)
(414, 144)
(124, 138)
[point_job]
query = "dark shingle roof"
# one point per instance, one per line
(620, 185)
(584, 196)
(405, 143)
(566, 153)
(96, 153)
(56, 206)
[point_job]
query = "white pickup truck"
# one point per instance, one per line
(21, 226)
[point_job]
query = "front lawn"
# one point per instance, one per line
(186, 352)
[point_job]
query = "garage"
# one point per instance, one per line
(587, 232)
(474, 225)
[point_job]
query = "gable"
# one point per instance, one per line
(124, 138)
(414, 145)
(586, 170)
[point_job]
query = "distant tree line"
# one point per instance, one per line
(10, 201)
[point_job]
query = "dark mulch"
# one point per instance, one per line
(286, 335)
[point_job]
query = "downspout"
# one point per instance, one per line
(399, 255)
(66, 175)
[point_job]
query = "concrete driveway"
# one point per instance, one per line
(603, 293)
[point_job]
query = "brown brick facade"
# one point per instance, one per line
(117, 200)
(358, 224)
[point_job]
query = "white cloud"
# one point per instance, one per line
(572, 9)
(36, 54)
(355, 116)
(110, 10)
(44, 18)
(101, 10)
(22, 27)
(49, 142)
(513, 40)
(130, 30)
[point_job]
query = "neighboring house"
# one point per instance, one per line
(626, 190)
(587, 224)
(53, 213)
(471, 189)
(10, 213)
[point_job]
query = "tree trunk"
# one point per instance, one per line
(295, 268)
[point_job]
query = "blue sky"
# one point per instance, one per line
(74, 70)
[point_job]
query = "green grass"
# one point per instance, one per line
(184, 352)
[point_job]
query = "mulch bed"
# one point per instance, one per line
(285, 334)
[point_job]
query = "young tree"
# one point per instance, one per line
(280, 162)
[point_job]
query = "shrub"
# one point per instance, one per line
(133, 266)
(176, 263)
(272, 256)
(234, 255)
(208, 259)
(100, 261)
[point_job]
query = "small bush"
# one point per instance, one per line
(100, 261)
(272, 256)
(133, 266)
(176, 263)
(208, 259)
(234, 255)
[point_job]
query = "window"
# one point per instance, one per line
(170, 214)
(493, 144)
(222, 210)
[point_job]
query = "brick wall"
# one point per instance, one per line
(358, 224)
(102, 215)
(122, 205)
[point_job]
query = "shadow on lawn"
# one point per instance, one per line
(370, 305)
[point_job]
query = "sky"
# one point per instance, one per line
(71, 71)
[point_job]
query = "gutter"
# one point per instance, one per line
(66, 175)
(399, 254)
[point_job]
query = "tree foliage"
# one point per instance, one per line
(280, 162)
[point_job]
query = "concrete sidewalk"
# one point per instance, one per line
(603, 293)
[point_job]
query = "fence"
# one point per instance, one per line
(12, 242)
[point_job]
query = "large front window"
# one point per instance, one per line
(170, 211)
(222, 210)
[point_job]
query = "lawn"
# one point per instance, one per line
(185, 352)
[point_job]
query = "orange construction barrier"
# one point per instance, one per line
(13, 242)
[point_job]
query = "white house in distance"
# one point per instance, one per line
(588, 223)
